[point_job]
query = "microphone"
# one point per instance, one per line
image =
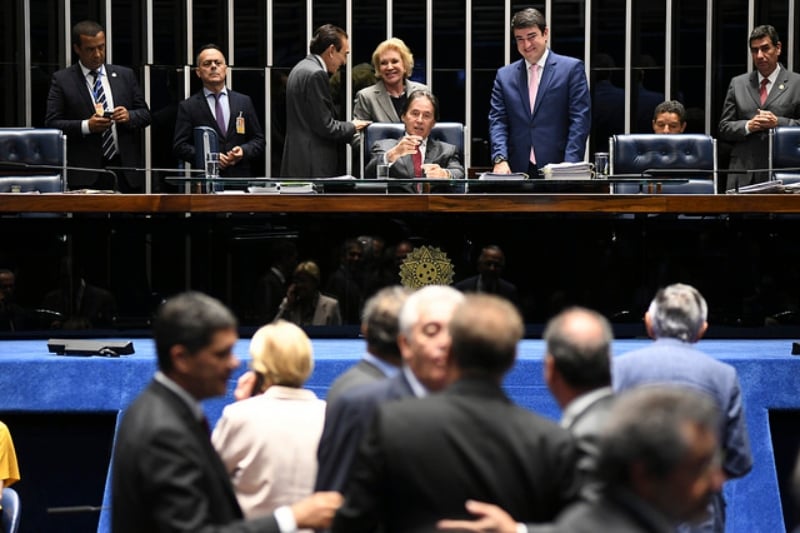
(60, 168)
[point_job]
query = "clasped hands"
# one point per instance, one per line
(409, 145)
(764, 120)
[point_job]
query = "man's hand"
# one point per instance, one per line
(316, 511)
(432, 170)
(408, 145)
(764, 120)
(491, 518)
(120, 115)
(502, 168)
(361, 124)
(99, 123)
(231, 158)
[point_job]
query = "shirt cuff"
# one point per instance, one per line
(285, 518)
(85, 127)
(522, 528)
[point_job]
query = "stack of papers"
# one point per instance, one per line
(514, 176)
(286, 187)
(767, 187)
(567, 171)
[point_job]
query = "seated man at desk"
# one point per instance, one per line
(669, 117)
(416, 154)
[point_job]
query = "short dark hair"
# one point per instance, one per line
(85, 27)
(209, 46)
(528, 18)
(189, 319)
(381, 320)
(765, 30)
(326, 35)
(485, 330)
(671, 106)
(422, 93)
(584, 363)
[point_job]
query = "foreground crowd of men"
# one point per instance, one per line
(420, 435)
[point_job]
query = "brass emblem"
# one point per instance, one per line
(426, 265)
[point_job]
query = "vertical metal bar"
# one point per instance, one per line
(26, 61)
(429, 45)
(468, 84)
(507, 34)
(628, 85)
(148, 138)
(109, 35)
(709, 47)
(751, 22)
(268, 91)
(309, 20)
(668, 51)
(389, 18)
(587, 53)
(67, 34)
(231, 48)
(791, 37)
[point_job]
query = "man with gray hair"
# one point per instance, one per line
(676, 320)
(424, 342)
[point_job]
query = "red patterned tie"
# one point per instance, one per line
(416, 157)
(763, 92)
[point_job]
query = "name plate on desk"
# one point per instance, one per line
(89, 347)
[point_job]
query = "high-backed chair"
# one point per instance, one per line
(784, 154)
(33, 159)
(688, 156)
(12, 510)
(454, 133)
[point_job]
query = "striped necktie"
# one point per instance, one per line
(109, 150)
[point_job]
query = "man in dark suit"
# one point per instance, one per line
(231, 114)
(379, 327)
(416, 154)
(314, 137)
(757, 102)
(577, 370)
(676, 320)
(166, 476)
(424, 343)
(423, 458)
(91, 98)
(491, 263)
(553, 128)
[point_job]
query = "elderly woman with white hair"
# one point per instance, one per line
(268, 442)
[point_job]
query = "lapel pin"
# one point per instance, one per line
(113, 74)
(781, 87)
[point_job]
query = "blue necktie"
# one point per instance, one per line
(109, 150)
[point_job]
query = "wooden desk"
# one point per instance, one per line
(399, 203)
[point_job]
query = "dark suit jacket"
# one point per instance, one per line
(423, 458)
(560, 122)
(615, 511)
(346, 421)
(315, 139)
(194, 111)
(741, 104)
(166, 476)
(69, 103)
(504, 288)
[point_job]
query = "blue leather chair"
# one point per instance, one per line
(12, 510)
(454, 133)
(33, 159)
(784, 153)
(678, 155)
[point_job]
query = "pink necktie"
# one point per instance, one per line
(533, 87)
(763, 91)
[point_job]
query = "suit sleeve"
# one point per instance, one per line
(498, 120)
(731, 127)
(580, 113)
(738, 458)
(169, 469)
(360, 110)
(255, 145)
(362, 506)
(319, 108)
(55, 114)
(183, 142)
(139, 112)
(454, 164)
